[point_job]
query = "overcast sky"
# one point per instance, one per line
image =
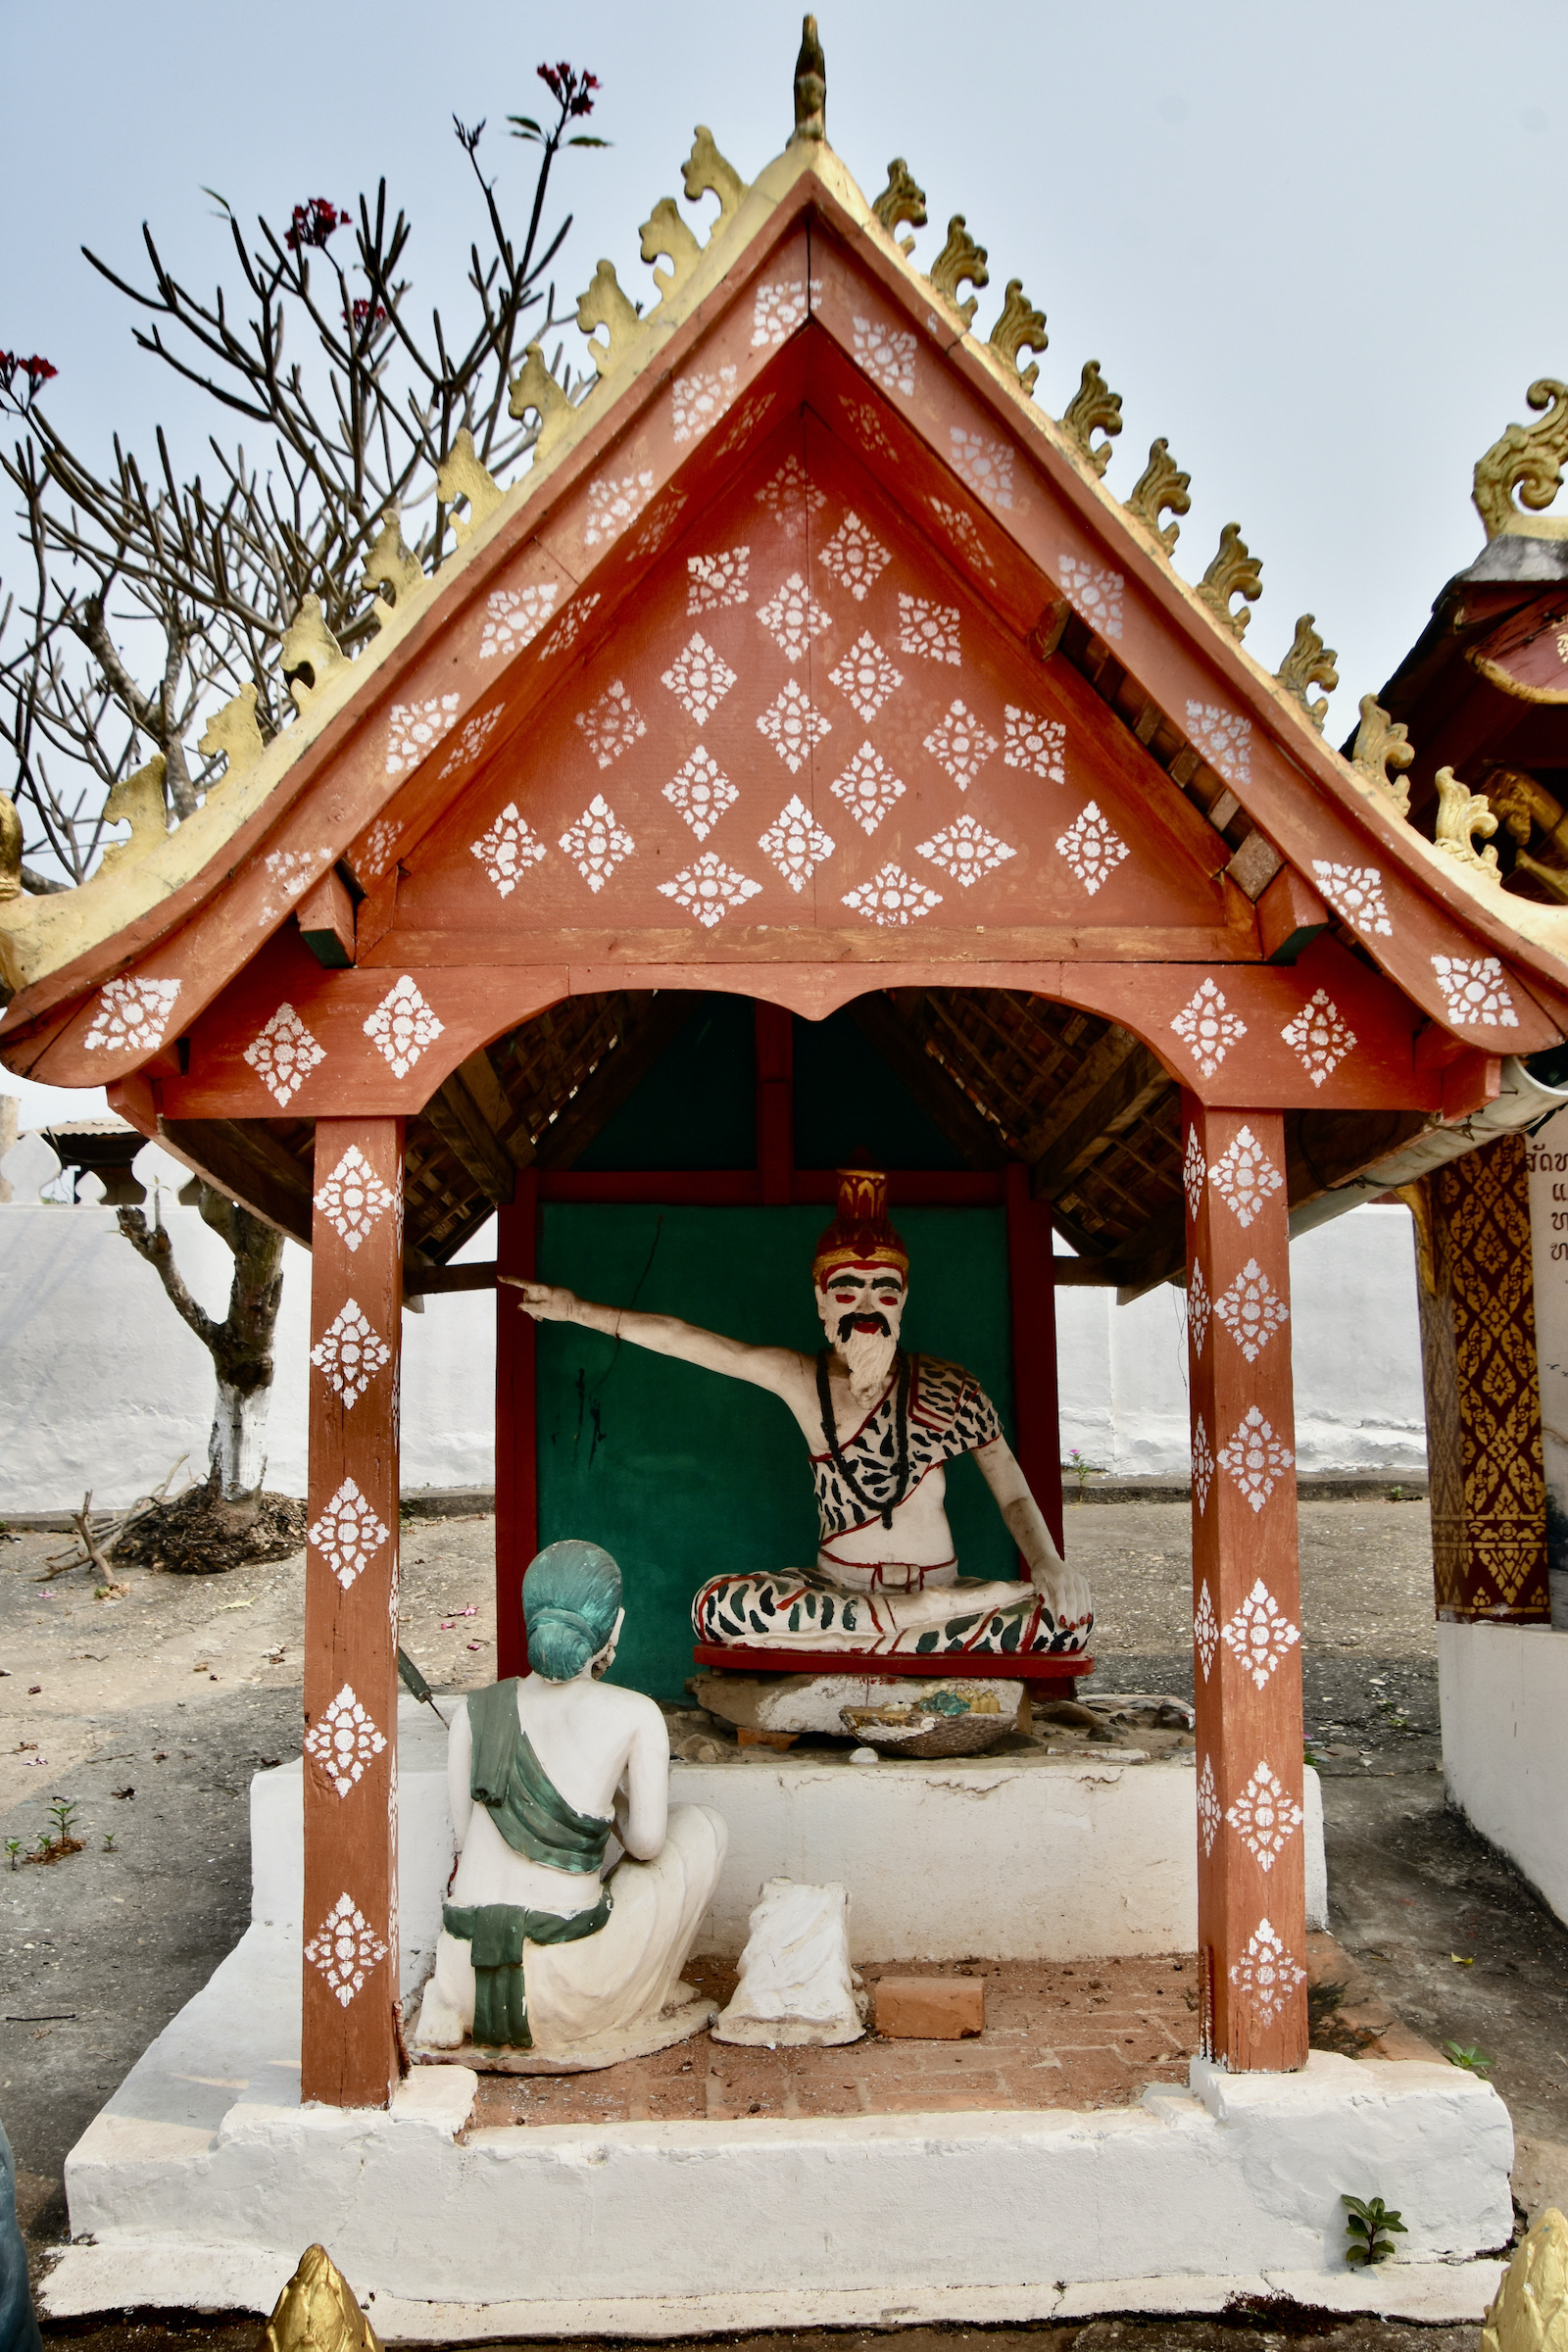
(1321, 250)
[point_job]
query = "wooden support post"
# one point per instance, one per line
(516, 1423)
(1033, 1286)
(1252, 1871)
(351, 2048)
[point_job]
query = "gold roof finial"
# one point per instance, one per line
(810, 86)
(1528, 459)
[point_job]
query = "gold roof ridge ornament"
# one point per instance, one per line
(1461, 813)
(1234, 572)
(1093, 408)
(143, 799)
(1383, 751)
(391, 563)
(463, 477)
(1529, 459)
(1160, 487)
(901, 200)
(1308, 663)
(960, 259)
(1021, 327)
(310, 654)
(810, 86)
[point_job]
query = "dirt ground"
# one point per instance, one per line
(181, 1689)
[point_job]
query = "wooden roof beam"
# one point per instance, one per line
(1123, 1080)
(978, 1143)
(454, 1114)
(246, 1163)
(624, 1067)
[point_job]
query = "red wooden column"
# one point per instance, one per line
(516, 1423)
(1251, 1872)
(1032, 1280)
(352, 2030)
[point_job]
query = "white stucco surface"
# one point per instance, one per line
(1504, 1692)
(106, 1388)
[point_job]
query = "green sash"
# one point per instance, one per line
(495, 1933)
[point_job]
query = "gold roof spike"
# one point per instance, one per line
(666, 237)
(1383, 749)
(1309, 663)
(389, 565)
(810, 86)
(1161, 486)
(316, 2312)
(605, 304)
(234, 731)
(309, 652)
(1093, 408)
(961, 258)
(1461, 813)
(534, 387)
(1234, 572)
(1021, 327)
(463, 476)
(1528, 459)
(901, 200)
(9, 851)
(706, 172)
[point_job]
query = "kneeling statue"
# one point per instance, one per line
(539, 1953)
(880, 1426)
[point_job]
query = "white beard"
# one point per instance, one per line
(868, 1360)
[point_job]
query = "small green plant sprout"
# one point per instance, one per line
(1082, 1470)
(109, 1842)
(12, 1848)
(1371, 2229)
(1469, 2055)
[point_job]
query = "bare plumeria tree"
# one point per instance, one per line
(144, 596)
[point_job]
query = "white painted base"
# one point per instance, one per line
(1503, 1692)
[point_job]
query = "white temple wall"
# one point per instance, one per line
(102, 1386)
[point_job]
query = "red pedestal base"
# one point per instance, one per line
(1060, 1668)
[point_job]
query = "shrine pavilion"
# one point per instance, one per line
(807, 756)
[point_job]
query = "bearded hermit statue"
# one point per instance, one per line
(881, 1426)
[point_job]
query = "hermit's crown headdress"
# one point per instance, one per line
(860, 1234)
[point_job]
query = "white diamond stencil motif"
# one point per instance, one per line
(962, 745)
(132, 1016)
(960, 531)
(867, 429)
(1252, 1310)
(887, 354)
(1264, 1817)
(476, 733)
(791, 617)
(1193, 1170)
(1266, 1976)
(1035, 744)
(350, 1352)
(354, 1199)
(289, 874)
(379, 844)
(985, 465)
(1203, 1466)
(865, 677)
(348, 1534)
(709, 889)
(1244, 1177)
(892, 897)
(1260, 1634)
(1318, 1037)
(702, 792)
(569, 627)
(1206, 1629)
(613, 723)
(345, 1948)
(660, 523)
(344, 1740)
(415, 728)
(700, 400)
(508, 849)
(867, 788)
(613, 504)
(1198, 1309)
(402, 1026)
(1207, 1029)
(796, 843)
(699, 679)
(780, 308)
(283, 1054)
(854, 556)
(791, 495)
(1355, 892)
(713, 581)
(794, 727)
(1477, 995)
(965, 851)
(1207, 1806)
(1253, 1458)
(1092, 848)
(597, 842)
(515, 618)
(1096, 593)
(929, 629)
(1224, 738)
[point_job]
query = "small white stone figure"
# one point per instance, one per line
(542, 1950)
(796, 1986)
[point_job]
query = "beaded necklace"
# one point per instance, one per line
(901, 1439)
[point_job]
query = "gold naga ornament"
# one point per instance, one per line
(316, 2312)
(1528, 459)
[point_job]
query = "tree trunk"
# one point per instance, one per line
(236, 1451)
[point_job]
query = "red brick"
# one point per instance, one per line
(930, 2008)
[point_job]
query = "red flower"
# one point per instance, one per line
(39, 373)
(360, 317)
(570, 88)
(313, 224)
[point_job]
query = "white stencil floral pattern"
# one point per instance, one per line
(1207, 1029)
(962, 745)
(702, 792)
(569, 627)
(700, 400)
(348, 1534)
(613, 504)
(1206, 1627)
(929, 629)
(865, 677)
(1252, 1310)
(1476, 994)
(660, 523)
(1318, 1037)
(1266, 1976)
(699, 678)
(747, 418)
(289, 875)
(352, 1198)
(1253, 1458)
(476, 733)
(887, 355)
(403, 1025)
(1096, 593)
(790, 495)
(796, 843)
(794, 727)
(344, 1740)
(985, 465)
(1264, 1817)
(1224, 738)
(855, 556)
(515, 616)
(1198, 1309)
(708, 889)
(415, 728)
(379, 845)
(1193, 1169)
(958, 530)
(611, 724)
(867, 788)
(1244, 1177)
(1355, 892)
(1260, 1634)
(1034, 744)
(597, 842)
(350, 1352)
(791, 617)
(780, 308)
(345, 1948)
(1203, 1466)
(1092, 848)
(965, 851)
(1207, 1806)
(892, 897)
(508, 849)
(713, 581)
(866, 426)
(283, 1054)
